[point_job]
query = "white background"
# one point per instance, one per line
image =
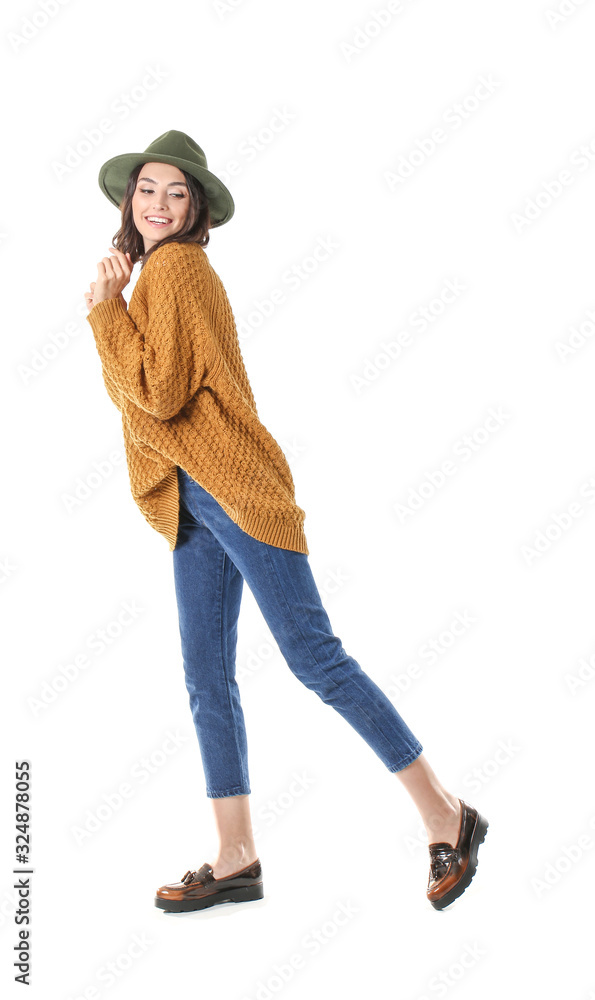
(360, 95)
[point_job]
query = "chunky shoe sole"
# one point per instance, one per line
(477, 838)
(241, 895)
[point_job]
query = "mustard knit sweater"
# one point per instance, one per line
(172, 365)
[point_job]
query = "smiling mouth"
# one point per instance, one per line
(157, 221)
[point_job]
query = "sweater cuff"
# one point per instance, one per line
(107, 311)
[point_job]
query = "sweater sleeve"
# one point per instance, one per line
(159, 369)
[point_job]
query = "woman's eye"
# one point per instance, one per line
(174, 194)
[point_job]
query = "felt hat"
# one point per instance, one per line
(180, 150)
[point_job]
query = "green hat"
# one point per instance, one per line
(180, 150)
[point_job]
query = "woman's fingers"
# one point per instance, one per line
(122, 266)
(123, 258)
(117, 266)
(113, 274)
(110, 264)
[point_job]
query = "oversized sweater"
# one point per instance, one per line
(172, 365)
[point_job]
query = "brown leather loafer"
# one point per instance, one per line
(200, 888)
(452, 868)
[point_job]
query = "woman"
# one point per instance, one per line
(211, 479)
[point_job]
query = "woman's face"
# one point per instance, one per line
(161, 194)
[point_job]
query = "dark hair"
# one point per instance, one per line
(195, 229)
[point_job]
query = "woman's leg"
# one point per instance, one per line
(439, 809)
(283, 585)
(208, 592)
(236, 840)
(284, 588)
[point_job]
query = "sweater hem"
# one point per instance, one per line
(271, 531)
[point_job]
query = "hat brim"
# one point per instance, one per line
(114, 174)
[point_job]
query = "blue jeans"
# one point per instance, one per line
(212, 558)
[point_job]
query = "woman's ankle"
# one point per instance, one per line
(235, 856)
(443, 816)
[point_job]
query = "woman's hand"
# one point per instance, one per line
(89, 297)
(90, 300)
(113, 274)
